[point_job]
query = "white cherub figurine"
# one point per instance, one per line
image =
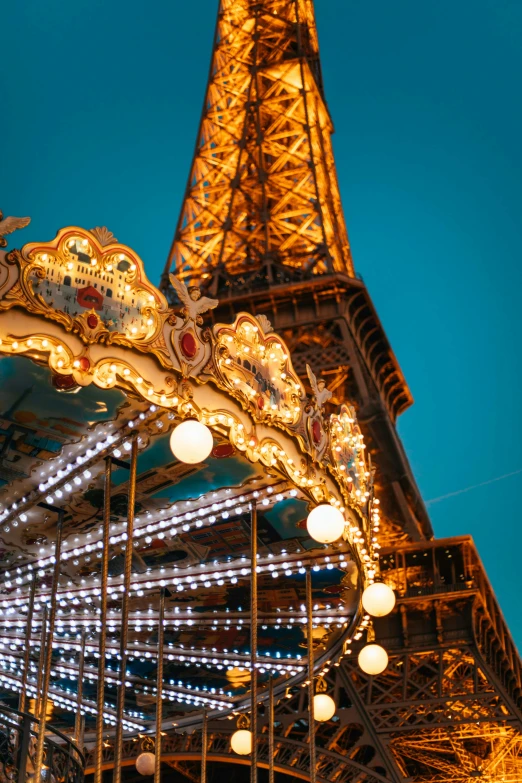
(194, 305)
(321, 393)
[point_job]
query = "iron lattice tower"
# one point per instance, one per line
(262, 228)
(262, 189)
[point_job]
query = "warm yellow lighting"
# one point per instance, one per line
(241, 742)
(324, 707)
(145, 763)
(48, 712)
(373, 659)
(191, 442)
(325, 523)
(238, 676)
(378, 599)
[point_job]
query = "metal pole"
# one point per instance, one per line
(253, 641)
(78, 723)
(271, 730)
(23, 756)
(125, 614)
(41, 659)
(49, 651)
(204, 735)
(310, 640)
(27, 650)
(100, 693)
(159, 689)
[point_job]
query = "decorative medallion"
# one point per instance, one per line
(257, 369)
(347, 452)
(88, 286)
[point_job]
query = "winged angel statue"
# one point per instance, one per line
(194, 305)
(321, 393)
(10, 224)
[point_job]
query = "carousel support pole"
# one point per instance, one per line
(120, 704)
(310, 640)
(79, 721)
(204, 740)
(27, 650)
(100, 693)
(271, 730)
(253, 641)
(49, 651)
(159, 688)
(41, 659)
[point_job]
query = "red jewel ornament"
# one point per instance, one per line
(189, 346)
(316, 431)
(260, 403)
(223, 450)
(84, 363)
(64, 383)
(92, 321)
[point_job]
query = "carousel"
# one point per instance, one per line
(186, 537)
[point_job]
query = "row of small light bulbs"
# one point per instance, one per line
(219, 660)
(289, 615)
(182, 691)
(207, 516)
(146, 530)
(57, 483)
(14, 640)
(150, 528)
(12, 684)
(263, 666)
(222, 574)
(102, 447)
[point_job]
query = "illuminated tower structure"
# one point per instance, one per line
(262, 229)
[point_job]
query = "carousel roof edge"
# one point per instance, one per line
(83, 305)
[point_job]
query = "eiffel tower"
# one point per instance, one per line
(262, 229)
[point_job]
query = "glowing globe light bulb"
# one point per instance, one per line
(145, 763)
(373, 659)
(325, 523)
(241, 742)
(378, 599)
(324, 707)
(191, 442)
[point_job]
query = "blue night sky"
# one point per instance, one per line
(100, 107)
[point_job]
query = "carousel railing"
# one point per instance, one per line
(62, 762)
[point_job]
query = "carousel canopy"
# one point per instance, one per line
(92, 359)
